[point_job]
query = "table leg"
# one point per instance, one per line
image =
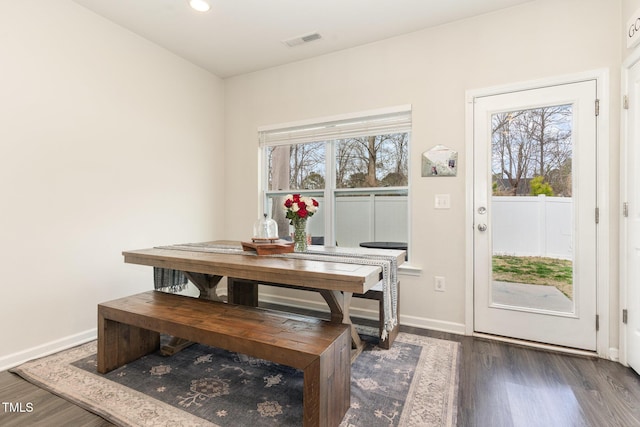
(243, 292)
(206, 284)
(339, 303)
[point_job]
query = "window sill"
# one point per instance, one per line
(409, 270)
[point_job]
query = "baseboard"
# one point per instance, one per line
(11, 360)
(614, 354)
(418, 322)
(433, 324)
(295, 302)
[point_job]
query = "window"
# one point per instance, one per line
(356, 167)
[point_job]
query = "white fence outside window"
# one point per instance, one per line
(365, 219)
(533, 226)
(522, 226)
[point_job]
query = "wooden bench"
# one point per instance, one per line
(241, 291)
(130, 327)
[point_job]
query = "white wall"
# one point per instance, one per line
(431, 70)
(107, 143)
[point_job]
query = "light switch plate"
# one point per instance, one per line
(443, 201)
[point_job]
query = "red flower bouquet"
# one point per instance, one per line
(298, 207)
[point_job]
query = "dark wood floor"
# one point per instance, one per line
(506, 385)
(501, 385)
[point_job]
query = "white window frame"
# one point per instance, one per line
(390, 120)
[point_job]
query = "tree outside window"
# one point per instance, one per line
(534, 144)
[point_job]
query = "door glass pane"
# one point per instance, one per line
(532, 209)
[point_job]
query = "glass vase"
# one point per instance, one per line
(299, 234)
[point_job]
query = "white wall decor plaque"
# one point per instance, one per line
(440, 161)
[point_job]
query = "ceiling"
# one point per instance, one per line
(241, 36)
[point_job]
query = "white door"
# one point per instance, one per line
(535, 256)
(631, 238)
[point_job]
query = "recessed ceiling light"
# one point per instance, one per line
(200, 5)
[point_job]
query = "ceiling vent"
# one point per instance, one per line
(307, 38)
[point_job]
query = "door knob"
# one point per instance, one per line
(482, 227)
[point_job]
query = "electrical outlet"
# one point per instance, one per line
(438, 283)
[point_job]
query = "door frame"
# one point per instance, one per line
(601, 76)
(624, 197)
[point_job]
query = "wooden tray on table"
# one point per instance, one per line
(268, 246)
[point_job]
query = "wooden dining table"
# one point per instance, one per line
(335, 281)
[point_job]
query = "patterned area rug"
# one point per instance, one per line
(412, 384)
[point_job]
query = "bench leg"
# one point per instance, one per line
(391, 336)
(119, 343)
(379, 296)
(327, 386)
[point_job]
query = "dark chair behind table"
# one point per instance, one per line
(315, 240)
